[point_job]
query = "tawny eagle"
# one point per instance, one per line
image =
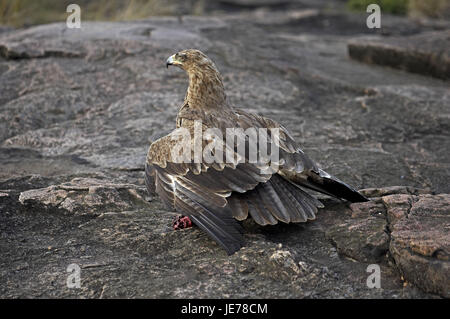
(215, 195)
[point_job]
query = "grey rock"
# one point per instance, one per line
(420, 239)
(379, 192)
(5, 28)
(425, 53)
(255, 3)
(79, 108)
(362, 237)
(85, 196)
(125, 248)
(410, 229)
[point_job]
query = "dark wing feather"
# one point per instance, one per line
(215, 195)
(322, 182)
(238, 207)
(202, 193)
(219, 225)
(273, 201)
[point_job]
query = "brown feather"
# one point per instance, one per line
(214, 195)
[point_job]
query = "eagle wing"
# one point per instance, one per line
(214, 195)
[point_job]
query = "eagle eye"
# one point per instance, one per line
(182, 57)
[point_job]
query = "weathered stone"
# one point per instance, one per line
(426, 53)
(364, 236)
(80, 107)
(282, 259)
(85, 196)
(256, 3)
(5, 28)
(412, 229)
(385, 191)
(420, 240)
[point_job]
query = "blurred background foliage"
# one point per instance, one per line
(20, 13)
(390, 6)
(413, 8)
(30, 12)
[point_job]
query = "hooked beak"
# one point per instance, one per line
(171, 61)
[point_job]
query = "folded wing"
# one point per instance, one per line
(216, 195)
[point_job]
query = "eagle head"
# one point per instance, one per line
(190, 60)
(205, 82)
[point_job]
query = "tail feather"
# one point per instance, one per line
(330, 185)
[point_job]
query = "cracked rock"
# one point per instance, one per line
(426, 53)
(420, 239)
(85, 196)
(79, 109)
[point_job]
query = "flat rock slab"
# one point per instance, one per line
(420, 239)
(85, 196)
(125, 247)
(363, 237)
(79, 108)
(427, 53)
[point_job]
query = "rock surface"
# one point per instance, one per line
(427, 53)
(420, 239)
(79, 109)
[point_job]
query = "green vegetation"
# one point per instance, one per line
(388, 6)
(429, 8)
(30, 12)
(415, 8)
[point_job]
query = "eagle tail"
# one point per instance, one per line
(332, 186)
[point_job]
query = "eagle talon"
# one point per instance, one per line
(181, 222)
